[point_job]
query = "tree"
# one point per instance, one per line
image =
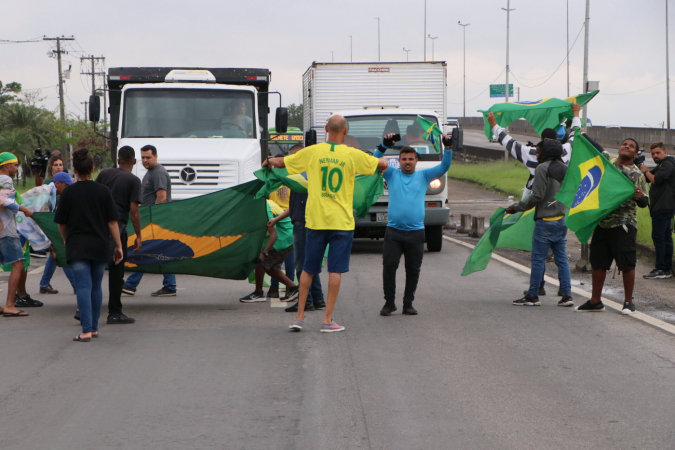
(295, 115)
(8, 93)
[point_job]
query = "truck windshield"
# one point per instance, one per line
(366, 132)
(188, 113)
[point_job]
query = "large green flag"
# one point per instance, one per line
(505, 231)
(431, 132)
(592, 188)
(216, 235)
(542, 114)
(367, 188)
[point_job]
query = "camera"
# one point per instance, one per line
(639, 159)
(39, 163)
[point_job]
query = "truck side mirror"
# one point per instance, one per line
(457, 139)
(94, 108)
(281, 120)
(310, 138)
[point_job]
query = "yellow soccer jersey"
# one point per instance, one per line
(330, 169)
(281, 197)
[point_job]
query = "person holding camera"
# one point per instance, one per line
(661, 208)
(405, 228)
(615, 236)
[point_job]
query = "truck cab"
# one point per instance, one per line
(366, 129)
(209, 125)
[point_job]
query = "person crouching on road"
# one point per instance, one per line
(273, 255)
(405, 227)
(615, 236)
(661, 208)
(550, 230)
(87, 217)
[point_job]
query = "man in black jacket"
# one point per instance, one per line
(662, 208)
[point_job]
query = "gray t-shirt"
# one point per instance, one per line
(155, 179)
(7, 217)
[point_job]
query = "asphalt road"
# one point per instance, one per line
(203, 370)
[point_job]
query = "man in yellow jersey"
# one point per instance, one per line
(331, 167)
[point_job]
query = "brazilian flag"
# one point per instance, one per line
(431, 132)
(217, 235)
(592, 188)
(506, 231)
(367, 188)
(542, 114)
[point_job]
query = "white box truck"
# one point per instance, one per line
(209, 125)
(377, 99)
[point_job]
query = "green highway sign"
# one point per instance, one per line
(497, 90)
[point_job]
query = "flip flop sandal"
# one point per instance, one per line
(19, 313)
(79, 338)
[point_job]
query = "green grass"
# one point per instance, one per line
(510, 177)
(507, 177)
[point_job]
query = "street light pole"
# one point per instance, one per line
(425, 30)
(351, 50)
(464, 25)
(331, 56)
(406, 53)
(508, 15)
(432, 46)
(378, 38)
(585, 86)
(667, 73)
(568, 48)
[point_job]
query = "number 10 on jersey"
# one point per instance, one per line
(331, 179)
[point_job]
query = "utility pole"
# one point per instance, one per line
(406, 53)
(93, 74)
(86, 116)
(378, 38)
(508, 14)
(62, 106)
(425, 30)
(351, 50)
(585, 86)
(667, 72)
(332, 59)
(568, 47)
(518, 93)
(432, 46)
(464, 25)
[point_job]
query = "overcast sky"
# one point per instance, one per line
(627, 44)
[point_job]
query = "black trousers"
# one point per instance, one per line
(397, 243)
(116, 280)
(662, 235)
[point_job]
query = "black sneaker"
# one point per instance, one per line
(628, 308)
(119, 319)
(566, 301)
(387, 309)
(292, 293)
(273, 292)
(320, 304)
(48, 290)
(294, 308)
(657, 274)
(125, 290)
(26, 302)
(164, 292)
(38, 253)
(77, 315)
(253, 297)
(591, 307)
(408, 309)
(542, 291)
(527, 301)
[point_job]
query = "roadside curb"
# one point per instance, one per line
(660, 324)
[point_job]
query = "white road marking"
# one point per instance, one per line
(665, 326)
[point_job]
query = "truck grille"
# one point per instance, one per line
(202, 177)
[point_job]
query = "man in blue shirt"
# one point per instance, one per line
(405, 227)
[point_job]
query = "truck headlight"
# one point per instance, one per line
(436, 186)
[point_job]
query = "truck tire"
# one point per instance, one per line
(434, 235)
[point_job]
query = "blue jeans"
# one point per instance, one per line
(662, 235)
(299, 239)
(50, 268)
(88, 275)
(135, 278)
(289, 267)
(553, 235)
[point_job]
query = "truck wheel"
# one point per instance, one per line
(434, 236)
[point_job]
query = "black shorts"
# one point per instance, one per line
(613, 244)
(275, 258)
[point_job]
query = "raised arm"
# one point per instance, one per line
(524, 154)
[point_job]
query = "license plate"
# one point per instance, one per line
(381, 217)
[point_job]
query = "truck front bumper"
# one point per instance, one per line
(369, 227)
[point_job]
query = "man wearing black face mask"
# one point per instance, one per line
(661, 208)
(550, 230)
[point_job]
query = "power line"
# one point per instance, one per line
(29, 41)
(485, 90)
(639, 90)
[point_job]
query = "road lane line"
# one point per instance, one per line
(658, 323)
